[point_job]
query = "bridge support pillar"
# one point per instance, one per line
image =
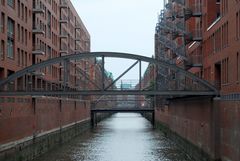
(153, 118)
(92, 118)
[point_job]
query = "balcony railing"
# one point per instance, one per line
(180, 51)
(195, 35)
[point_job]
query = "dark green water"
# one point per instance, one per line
(123, 137)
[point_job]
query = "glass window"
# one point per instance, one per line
(10, 27)
(2, 50)
(10, 3)
(2, 23)
(10, 48)
(10, 41)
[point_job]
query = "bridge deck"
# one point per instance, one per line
(122, 110)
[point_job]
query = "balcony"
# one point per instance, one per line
(63, 4)
(194, 10)
(195, 35)
(37, 50)
(37, 9)
(38, 30)
(194, 61)
(169, 6)
(178, 50)
(176, 29)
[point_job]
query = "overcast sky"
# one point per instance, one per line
(121, 26)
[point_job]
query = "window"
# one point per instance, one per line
(18, 8)
(238, 25)
(10, 41)
(49, 25)
(238, 67)
(22, 8)
(22, 35)
(18, 33)
(22, 56)
(237, 28)
(225, 35)
(2, 50)
(3, 2)
(26, 37)
(26, 58)
(49, 57)
(225, 71)
(26, 17)
(224, 6)
(2, 23)
(18, 57)
(10, 3)
(10, 44)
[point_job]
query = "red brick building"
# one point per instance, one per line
(202, 36)
(33, 31)
(209, 33)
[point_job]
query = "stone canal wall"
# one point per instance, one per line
(206, 128)
(31, 126)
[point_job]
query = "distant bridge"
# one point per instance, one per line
(122, 110)
(94, 111)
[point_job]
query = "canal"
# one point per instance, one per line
(122, 137)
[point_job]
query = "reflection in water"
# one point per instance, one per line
(123, 137)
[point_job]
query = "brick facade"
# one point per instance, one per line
(32, 32)
(206, 128)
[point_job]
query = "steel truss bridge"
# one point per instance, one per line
(99, 86)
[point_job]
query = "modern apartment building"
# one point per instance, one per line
(203, 37)
(15, 37)
(34, 31)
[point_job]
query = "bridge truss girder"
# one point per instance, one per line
(208, 89)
